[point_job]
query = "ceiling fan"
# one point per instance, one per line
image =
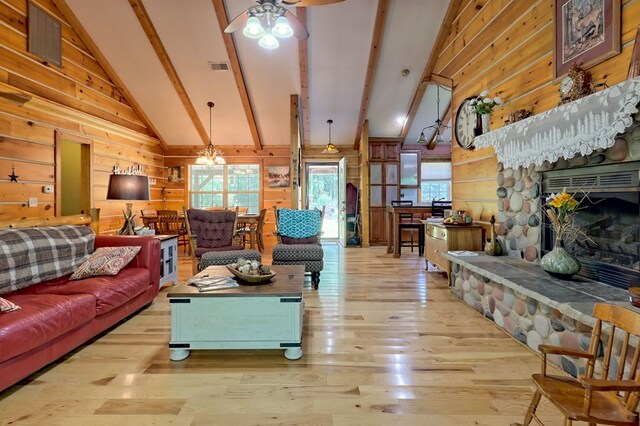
(277, 19)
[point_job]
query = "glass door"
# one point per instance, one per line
(322, 190)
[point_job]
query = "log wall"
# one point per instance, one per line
(76, 102)
(177, 193)
(506, 47)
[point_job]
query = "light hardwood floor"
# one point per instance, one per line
(384, 344)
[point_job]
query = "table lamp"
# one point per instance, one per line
(128, 187)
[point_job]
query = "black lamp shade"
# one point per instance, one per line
(128, 187)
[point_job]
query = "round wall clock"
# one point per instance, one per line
(465, 123)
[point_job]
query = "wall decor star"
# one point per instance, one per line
(12, 176)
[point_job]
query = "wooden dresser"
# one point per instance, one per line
(442, 238)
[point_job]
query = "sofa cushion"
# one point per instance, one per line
(105, 261)
(32, 255)
(7, 306)
(42, 319)
(109, 292)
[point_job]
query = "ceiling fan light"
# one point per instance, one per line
(253, 29)
(268, 41)
(282, 29)
(219, 160)
(422, 140)
(439, 138)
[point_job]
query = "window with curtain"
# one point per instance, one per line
(225, 186)
(436, 181)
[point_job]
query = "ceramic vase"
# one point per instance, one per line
(477, 130)
(486, 120)
(559, 262)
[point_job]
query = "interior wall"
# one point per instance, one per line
(177, 193)
(78, 101)
(506, 47)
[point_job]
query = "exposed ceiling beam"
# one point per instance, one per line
(303, 55)
(374, 54)
(232, 52)
(71, 18)
(163, 56)
(452, 11)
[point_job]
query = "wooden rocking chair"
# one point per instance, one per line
(606, 398)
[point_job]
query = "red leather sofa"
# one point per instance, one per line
(59, 315)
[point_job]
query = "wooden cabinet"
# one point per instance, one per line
(441, 238)
(378, 226)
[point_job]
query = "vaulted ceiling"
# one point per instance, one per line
(161, 51)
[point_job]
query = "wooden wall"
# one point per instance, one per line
(77, 102)
(176, 193)
(506, 47)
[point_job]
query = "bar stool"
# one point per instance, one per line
(406, 222)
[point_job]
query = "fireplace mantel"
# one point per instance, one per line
(580, 127)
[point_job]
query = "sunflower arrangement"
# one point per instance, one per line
(561, 211)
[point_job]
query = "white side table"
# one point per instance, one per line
(168, 259)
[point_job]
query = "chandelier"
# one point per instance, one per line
(210, 155)
(422, 140)
(330, 148)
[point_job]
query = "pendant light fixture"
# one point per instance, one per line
(422, 140)
(330, 148)
(210, 155)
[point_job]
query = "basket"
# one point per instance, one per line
(253, 279)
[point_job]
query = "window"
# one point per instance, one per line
(436, 181)
(225, 186)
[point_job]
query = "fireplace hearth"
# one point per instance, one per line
(609, 215)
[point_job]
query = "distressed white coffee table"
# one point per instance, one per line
(266, 316)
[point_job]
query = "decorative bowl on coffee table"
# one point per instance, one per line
(252, 279)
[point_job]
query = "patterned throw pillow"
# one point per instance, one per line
(106, 261)
(7, 306)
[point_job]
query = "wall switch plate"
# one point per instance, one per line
(47, 189)
(33, 202)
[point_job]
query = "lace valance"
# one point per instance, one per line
(579, 127)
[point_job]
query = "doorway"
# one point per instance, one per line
(73, 177)
(322, 190)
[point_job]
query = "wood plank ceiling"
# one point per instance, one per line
(350, 69)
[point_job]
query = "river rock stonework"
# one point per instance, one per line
(526, 319)
(519, 193)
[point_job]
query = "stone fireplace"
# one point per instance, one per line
(611, 214)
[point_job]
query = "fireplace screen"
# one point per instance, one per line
(610, 250)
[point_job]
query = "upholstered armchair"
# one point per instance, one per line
(298, 233)
(211, 231)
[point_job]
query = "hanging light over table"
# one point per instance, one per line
(330, 148)
(210, 155)
(422, 140)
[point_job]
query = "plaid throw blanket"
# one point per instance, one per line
(32, 255)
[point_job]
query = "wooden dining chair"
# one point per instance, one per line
(603, 396)
(244, 229)
(149, 217)
(169, 223)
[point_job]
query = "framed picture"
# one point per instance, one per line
(174, 173)
(587, 32)
(279, 176)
